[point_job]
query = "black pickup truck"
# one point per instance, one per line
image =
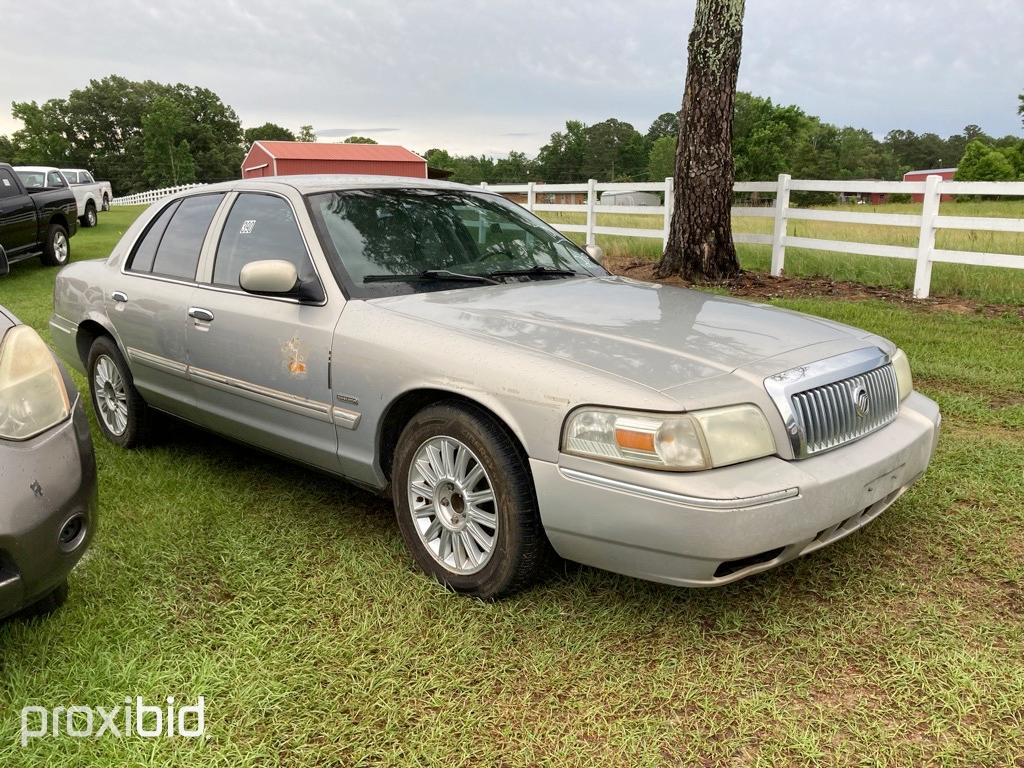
(37, 223)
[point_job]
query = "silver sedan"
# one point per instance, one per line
(438, 343)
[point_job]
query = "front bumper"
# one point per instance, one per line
(45, 482)
(709, 528)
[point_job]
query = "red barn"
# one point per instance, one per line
(284, 158)
(946, 173)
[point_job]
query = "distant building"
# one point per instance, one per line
(620, 197)
(284, 158)
(946, 173)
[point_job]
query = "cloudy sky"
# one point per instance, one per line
(494, 75)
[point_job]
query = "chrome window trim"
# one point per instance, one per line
(682, 499)
(783, 385)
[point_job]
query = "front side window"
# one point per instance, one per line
(379, 236)
(260, 227)
(54, 179)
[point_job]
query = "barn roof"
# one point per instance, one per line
(301, 150)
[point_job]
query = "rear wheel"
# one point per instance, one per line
(123, 415)
(465, 502)
(57, 248)
(89, 219)
(106, 202)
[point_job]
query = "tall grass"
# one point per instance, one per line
(980, 283)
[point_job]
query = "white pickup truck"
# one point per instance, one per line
(99, 191)
(88, 197)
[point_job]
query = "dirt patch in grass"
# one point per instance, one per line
(758, 285)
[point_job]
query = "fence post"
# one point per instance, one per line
(591, 213)
(779, 230)
(666, 228)
(531, 196)
(926, 238)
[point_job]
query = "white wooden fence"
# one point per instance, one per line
(928, 222)
(152, 196)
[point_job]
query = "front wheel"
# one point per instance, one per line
(57, 248)
(122, 414)
(465, 502)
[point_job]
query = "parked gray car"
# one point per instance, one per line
(441, 344)
(47, 473)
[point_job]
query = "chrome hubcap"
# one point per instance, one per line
(92, 217)
(60, 246)
(452, 503)
(111, 396)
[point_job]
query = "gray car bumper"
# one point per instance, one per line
(44, 483)
(710, 528)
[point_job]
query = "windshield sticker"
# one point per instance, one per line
(7, 182)
(247, 227)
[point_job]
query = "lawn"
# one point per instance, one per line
(285, 598)
(978, 283)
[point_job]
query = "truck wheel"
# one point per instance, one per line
(465, 502)
(123, 416)
(106, 202)
(57, 248)
(89, 219)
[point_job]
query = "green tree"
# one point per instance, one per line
(1020, 108)
(661, 162)
(167, 155)
(8, 149)
(982, 162)
(514, 169)
(614, 151)
(665, 124)
(359, 140)
(560, 161)
(764, 136)
(267, 132)
(306, 133)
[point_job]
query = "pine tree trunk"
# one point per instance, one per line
(700, 243)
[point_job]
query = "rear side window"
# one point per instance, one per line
(260, 227)
(145, 251)
(8, 187)
(71, 176)
(178, 252)
(86, 178)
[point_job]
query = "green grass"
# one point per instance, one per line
(978, 283)
(286, 599)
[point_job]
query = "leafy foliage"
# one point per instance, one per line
(359, 140)
(101, 127)
(267, 132)
(982, 162)
(306, 133)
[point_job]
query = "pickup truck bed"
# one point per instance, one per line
(39, 223)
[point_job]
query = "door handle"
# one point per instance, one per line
(198, 313)
(119, 296)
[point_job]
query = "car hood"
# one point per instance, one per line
(656, 335)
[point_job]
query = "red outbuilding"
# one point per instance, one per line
(285, 158)
(946, 173)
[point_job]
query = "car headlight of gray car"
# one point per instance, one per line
(32, 393)
(901, 367)
(684, 442)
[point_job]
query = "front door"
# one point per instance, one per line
(260, 365)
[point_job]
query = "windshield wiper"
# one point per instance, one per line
(431, 274)
(539, 270)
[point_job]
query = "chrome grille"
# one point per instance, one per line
(829, 415)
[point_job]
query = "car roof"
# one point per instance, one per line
(36, 168)
(314, 183)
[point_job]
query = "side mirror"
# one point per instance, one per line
(596, 252)
(5, 266)
(272, 276)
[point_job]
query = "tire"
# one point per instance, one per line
(123, 416)
(47, 604)
(89, 219)
(518, 548)
(57, 248)
(106, 203)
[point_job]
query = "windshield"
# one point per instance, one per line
(380, 233)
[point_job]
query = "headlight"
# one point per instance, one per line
(684, 442)
(904, 381)
(32, 393)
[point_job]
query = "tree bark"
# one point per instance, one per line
(700, 245)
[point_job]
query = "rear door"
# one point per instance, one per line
(260, 365)
(18, 218)
(149, 301)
